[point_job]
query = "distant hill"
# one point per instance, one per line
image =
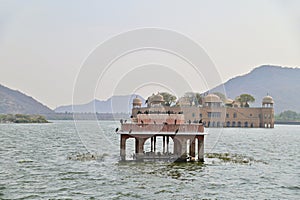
(282, 83)
(15, 102)
(115, 104)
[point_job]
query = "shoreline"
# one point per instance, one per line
(288, 122)
(22, 119)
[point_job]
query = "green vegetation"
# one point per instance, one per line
(194, 98)
(169, 98)
(22, 118)
(244, 99)
(233, 158)
(288, 116)
(87, 156)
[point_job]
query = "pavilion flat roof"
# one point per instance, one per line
(161, 133)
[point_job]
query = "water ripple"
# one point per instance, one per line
(49, 162)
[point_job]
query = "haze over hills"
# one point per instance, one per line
(282, 83)
(115, 104)
(15, 102)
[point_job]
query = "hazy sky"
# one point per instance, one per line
(43, 44)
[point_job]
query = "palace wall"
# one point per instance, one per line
(261, 117)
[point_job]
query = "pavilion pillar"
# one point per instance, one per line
(164, 144)
(154, 142)
(177, 147)
(183, 152)
(168, 144)
(272, 124)
(151, 144)
(141, 145)
(139, 148)
(137, 143)
(201, 148)
(123, 147)
(193, 147)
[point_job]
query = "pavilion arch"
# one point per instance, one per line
(174, 145)
(213, 124)
(228, 124)
(153, 145)
(190, 146)
(239, 124)
(186, 146)
(233, 124)
(208, 124)
(268, 125)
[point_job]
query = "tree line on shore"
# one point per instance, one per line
(288, 116)
(22, 118)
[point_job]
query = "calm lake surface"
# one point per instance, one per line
(39, 161)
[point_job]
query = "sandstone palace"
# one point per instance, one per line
(212, 113)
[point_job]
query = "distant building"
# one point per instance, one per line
(213, 112)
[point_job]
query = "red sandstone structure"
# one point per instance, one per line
(180, 141)
(213, 112)
(180, 129)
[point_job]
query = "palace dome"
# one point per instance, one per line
(212, 98)
(157, 98)
(267, 100)
(137, 101)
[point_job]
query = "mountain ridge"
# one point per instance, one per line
(282, 83)
(16, 102)
(114, 104)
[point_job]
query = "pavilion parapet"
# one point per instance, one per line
(197, 128)
(160, 118)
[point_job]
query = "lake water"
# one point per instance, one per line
(35, 164)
